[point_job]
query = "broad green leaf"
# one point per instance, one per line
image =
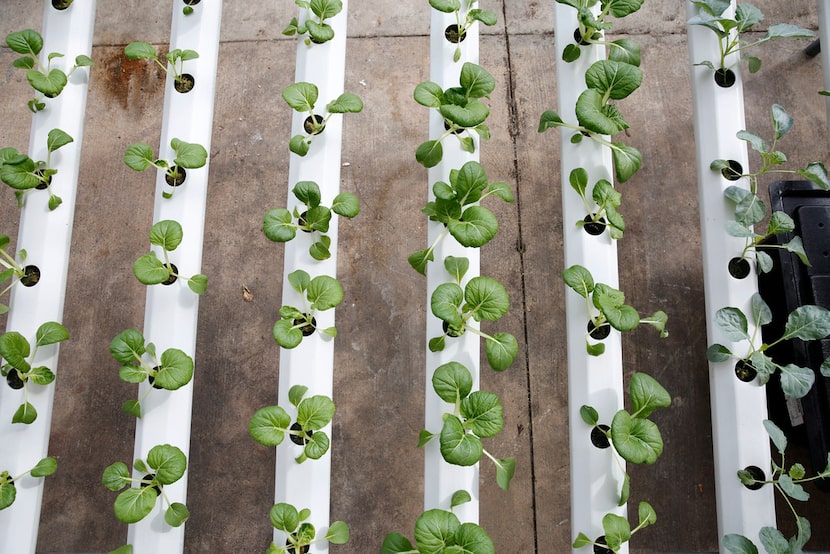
(757, 143)
(469, 182)
(50, 84)
(116, 476)
(424, 437)
(457, 267)
(571, 53)
(14, 348)
(436, 344)
(796, 381)
(445, 6)
(83, 61)
(56, 139)
(134, 504)
(808, 323)
(299, 280)
(613, 79)
(299, 145)
(647, 395)
(625, 490)
(307, 192)
(621, 317)
(301, 96)
(319, 32)
(20, 174)
(582, 540)
(472, 114)
(51, 332)
(657, 320)
(733, 323)
(486, 17)
(149, 270)
(718, 353)
(324, 292)
(26, 62)
(418, 260)
(269, 425)
(27, 41)
(429, 94)
(315, 412)
(188, 155)
(284, 517)
(140, 51)
(452, 382)
(579, 279)
(346, 204)
(457, 446)
(338, 533)
(395, 543)
(578, 179)
(501, 350)
(476, 81)
(549, 120)
(198, 283)
(317, 445)
(782, 122)
(486, 298)
(8, 493)
(617, 531)
(446, 301)
(317, 218)
(625, 51)
(429, 153)
(45, 467)
(779, 439)
(816, 173)
(738, 544)
(296, 394)
(483, 413)
(127, 346)
(621, 8)
(627, 161)
(131, 373)
(505, 468)
(761, 313)
(176, 369)
(589, 415)
(345, 103)
(41, 376)
(637, 440)
(774, 541)
(167, 234)
(460, 497)
(325, 9)
(286, 334)
(646, 514)
(139, 156)
(132, 407)
(785, 30)
(797, 247)
(435, 531)
(502, 190)
(747, 15)
(168, 461)
(597, 116)
(780, 222)
(176, 514)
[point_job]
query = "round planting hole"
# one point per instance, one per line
(31, 276)
(172, 279)
(185, 83)
(13, 379)
(733, 172)
(598, 333)
(150, 477)
(594, 227)
(724, 78)
(739, 268)
(450, 332)
(314, 126)
(757, 474)
(307, 329)
(579, 38)
(452, 35)
(61, 4)
(744, 371)
(175, 176)
(298, 439)
(41, 185)
(456, 131)
(598, 436)
(599, 546)
(302, 221)
(152, 380)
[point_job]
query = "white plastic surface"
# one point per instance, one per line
(311, 364)
(442, 479)
(596, 478)
(824, 37)
(738, 409)
(46, 236)
(171, 312)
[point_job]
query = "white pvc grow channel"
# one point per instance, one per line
(738, 409)
(171, 312)
(441, 479)
(311, 364)
(824, 37)
(46, 236)
(596, 478)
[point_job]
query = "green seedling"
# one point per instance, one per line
(440, 531)
(172, 65)
(22, 173)
(602, 206)
(302, 97)
(314, 27)
(150, 270)
(465, 17)
(8, 491)
(617, 530)
(14, 270)
(139, 156)
(300, 534)
(318, 294)
(592, 26)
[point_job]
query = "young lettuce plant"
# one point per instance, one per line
(301, 97)
(165, 465)
(751, 210)
(269, 425)
(440, 531)
(606, 308)
(805, 322)
(596, 116)
(318, 294)
(19, 356)
(591, 28)
(150, 270)
(634, 437)
(173, 62)
(314, 27)
(300, 534)
(476, 415)
(47, 81)
(279, 224)
(139, 156)
(28, 275)
(482, 298)
(170, 372)
(465, 17)
(461, 108)
(786, 481)
(8, 492)
(456, 206)
(617, 530)
(729, 32)
(23, 174)
(602, 208)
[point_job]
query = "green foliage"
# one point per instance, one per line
(461, 109)
(19, 367)
(175, 58)
(465, 17)
(173, 370)
(299, 534)
(439, 531)
(617, 529)
(314, 26)
(11, 268)
(805, 323)
(302, 97)
(318, 294)
(22, 173)
(592, 27)
(602, 206)
(150, 270)
(165, 465)
(8, 491)
(281, 225)
(186, 155)
(269, 425)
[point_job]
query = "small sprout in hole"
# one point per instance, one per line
(170, 372)
(175, 58)
(602, 207)
(456, 206)
(318, 294)
(279, 224)
(805, 323)
(188, 6)
(19, 369)
(314, 24)
(482, 298)
(139, 156)
(165, 465)
(460, 108)
(465, 17)
(300, 534)
(593, 24)
(440, 527)
(269, 425)
(28, 275)
(301, 97)
(606, 306)
(788, 482)
(597, 117)
(47, 81)
(8, 492)
(150, 270)
(750, 209)
(729, 32)
(22, 173)
(475, 415)
(617, 530)
(635, 438)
